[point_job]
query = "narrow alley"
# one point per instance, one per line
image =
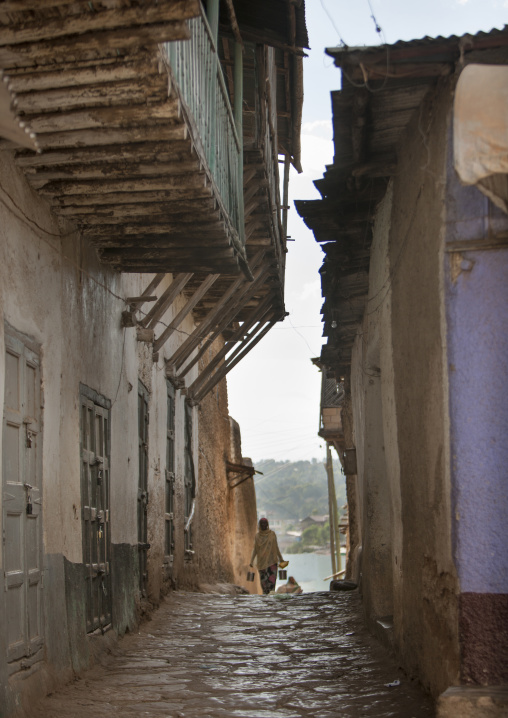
(211, 655)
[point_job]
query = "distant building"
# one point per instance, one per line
(314, 520)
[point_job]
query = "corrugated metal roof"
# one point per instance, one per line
(425, 49)
(381, 89)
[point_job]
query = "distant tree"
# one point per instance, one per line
(294, 490)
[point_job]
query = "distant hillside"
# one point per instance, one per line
(292, 490)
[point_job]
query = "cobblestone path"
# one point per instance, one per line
(214, 656)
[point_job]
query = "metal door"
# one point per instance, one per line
(189, 483)
(169, 543)
(143, 544)
(95, 432)
(22, 510)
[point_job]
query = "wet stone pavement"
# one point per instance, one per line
(214, 656)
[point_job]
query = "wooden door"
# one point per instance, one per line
(143, 544)
(189, 482)
(22, 504)
(169, 514)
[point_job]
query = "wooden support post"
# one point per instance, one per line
(245, 348)
(257, 313)
(236, 305)
(137, 302)
(144, 335)
(213, 18)
(220, 356)
(201, 331)
(184, 351)
(166, 299)
(234, 22)
(189, 306)
(238, 80)
(336, 519)
(332, 504)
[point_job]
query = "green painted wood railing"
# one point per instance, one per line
(197, 70)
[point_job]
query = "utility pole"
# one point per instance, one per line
(332, 503)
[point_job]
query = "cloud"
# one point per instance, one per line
(311, 289)
(317, 151)
(318, 128)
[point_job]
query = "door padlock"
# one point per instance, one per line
(29, 507)
(100, 532)
(29, 439)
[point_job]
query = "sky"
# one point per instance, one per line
(274, 392)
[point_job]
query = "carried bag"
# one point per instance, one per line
(283, 564)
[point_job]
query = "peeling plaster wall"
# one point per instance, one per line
(212, 527)
(400, 411)
(242, 507)
(53, 289)
(372, 385)
(427, 624)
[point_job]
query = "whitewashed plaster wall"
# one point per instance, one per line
(53, 289)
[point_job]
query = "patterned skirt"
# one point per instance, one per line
(268, 576)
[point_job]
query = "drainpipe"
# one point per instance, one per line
(332, 503)
(238, 112)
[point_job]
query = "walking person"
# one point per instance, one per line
(266, 554)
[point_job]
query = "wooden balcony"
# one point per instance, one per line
(121, 153)
(332, 399)
(163, 155)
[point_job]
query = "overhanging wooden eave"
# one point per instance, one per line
(117, 151)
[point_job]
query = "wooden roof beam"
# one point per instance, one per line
(100, 136)
(228, 315)
(137, 302)
(238, 336)
(165, 300)
(95, 43)
(184, 312)
(185, 350)
(246, 346)
(234, 23)
(98, 22)
(111, 117)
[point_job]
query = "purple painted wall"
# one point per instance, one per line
(477, 316)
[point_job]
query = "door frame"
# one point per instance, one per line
(16, 498)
